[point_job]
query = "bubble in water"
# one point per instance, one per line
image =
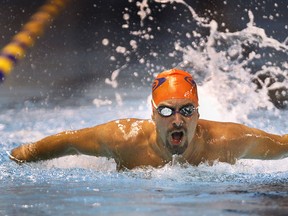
(105, 41)
(126, 16)
(133, 44)
(120, 49)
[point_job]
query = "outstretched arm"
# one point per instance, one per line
(87, 141)
(230, 141)
(262, 145)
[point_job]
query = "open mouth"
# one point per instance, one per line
(176, 137)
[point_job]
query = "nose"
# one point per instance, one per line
(177, 121)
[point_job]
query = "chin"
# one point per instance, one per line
(177, 149)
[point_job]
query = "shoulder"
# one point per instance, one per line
(215, 128)
(132, 123)
(210, 123)
(131, 127)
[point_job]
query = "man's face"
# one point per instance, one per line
(176, 131)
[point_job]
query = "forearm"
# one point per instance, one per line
(95, 141)
(47, 148)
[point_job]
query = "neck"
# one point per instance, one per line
(194, 152)
(161, 149)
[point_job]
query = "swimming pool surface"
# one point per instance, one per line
(85, 185)
(226, 66)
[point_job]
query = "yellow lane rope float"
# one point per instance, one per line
(33, 29)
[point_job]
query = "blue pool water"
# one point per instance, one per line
(85, 185)
(224, 68)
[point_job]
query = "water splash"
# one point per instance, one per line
(235, 71)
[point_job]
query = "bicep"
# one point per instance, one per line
(263, 145)
(252, 143)
(86, 141)
(97, 141)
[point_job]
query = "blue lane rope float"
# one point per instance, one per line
(30, 32)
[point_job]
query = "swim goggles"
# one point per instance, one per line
(186, 111)
(166, 111)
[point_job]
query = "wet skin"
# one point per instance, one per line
(136, 143)
(175, 131)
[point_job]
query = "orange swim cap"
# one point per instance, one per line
(174, 84)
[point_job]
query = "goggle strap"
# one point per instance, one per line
(154, 105)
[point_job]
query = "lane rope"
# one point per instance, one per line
(30, 32)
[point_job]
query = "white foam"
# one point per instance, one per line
(134, 129)
(225, 91)
(80, 161)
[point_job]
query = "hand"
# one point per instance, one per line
(15, 155)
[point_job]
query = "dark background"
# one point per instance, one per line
(70, 56)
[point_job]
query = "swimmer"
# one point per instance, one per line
(175, 129)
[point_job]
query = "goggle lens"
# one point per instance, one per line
(165, 111)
